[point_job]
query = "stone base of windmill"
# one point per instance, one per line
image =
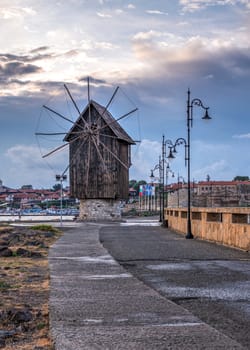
(100, 209)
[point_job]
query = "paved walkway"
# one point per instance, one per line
(96, 304)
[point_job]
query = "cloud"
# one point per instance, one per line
(14, 68)
(144, 158)
(119, 11)
(16, 12)
(8, 57)
(131, 6)
(38, 49)
(242, 136)
(144, 36)
(103, 15)
(215, 159)
(29, 11)
(173, 56)
(195, 5)
(212, 168)
(71, 53)
(93, 80)
(156, 12)
(104, 45)
(27, 162)
(27, 92)
(17, 68)
(24, 156)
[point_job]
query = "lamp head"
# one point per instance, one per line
(170, 156)
(206, 115)
(152, 174)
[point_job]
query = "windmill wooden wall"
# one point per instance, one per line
(95, 173)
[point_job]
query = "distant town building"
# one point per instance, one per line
(211, 194)
(28, 197)
(27, 187)
(203, 194)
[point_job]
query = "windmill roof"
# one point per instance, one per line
(119, 132)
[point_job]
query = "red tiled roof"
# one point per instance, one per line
(223, 183)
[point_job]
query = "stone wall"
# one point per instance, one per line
(178, 198)
(229, 226)
(100, 209)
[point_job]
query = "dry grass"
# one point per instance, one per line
(24, 288)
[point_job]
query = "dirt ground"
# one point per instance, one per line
(24, 287)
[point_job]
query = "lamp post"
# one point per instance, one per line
(172, 151)
(190, 104)
(168, 171)
(179, 141)
(152, 177)
(161, 167)
(178, 195)
(61, 178)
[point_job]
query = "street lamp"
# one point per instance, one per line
(161, 167)
(178, 194)
(172, 151)
(161, 176)
(190, 104)
(168, 171)
(61, 178)
(165, 160)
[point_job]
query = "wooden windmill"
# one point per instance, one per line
(99, 160)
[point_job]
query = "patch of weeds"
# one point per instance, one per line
(41, 325)
(4, 285)
(16, 286)
(44, 227)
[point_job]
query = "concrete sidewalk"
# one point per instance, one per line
(96, 304)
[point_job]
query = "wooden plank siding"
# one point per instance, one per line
(94, 171)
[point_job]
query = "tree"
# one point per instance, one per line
(56, 187)
(132, 183)
(241, 178)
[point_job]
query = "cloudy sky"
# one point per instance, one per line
(154, 51)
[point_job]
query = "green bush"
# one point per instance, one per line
(45, 227)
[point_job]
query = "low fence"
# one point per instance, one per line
(229, 226)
